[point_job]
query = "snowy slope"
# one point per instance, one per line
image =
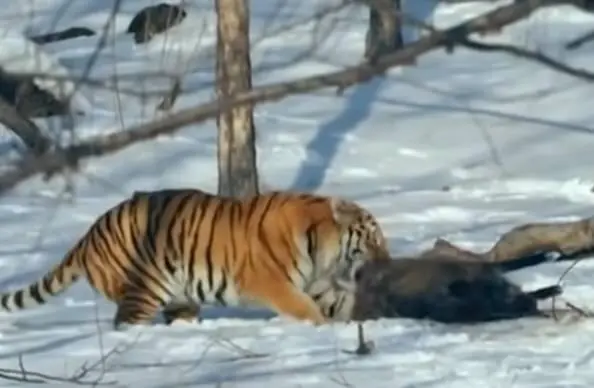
(511, 140)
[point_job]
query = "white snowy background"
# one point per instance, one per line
(512, 140)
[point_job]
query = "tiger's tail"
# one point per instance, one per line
(53, 283)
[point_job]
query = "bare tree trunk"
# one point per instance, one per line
(238, 175)
(384, 35)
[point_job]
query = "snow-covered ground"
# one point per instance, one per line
(512, 141)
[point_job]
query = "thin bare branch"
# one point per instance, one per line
(22, 374)
(530, 55)
(579, 41)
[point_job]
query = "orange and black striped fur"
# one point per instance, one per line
(173, 250)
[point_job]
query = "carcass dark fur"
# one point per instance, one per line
(445, 290)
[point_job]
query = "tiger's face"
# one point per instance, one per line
(365, 240)
(362, 237)
(335, 296)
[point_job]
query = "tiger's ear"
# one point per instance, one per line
(344, 212)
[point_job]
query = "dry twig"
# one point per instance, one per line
(22, 374)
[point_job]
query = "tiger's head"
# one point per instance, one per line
(362, 237)
(335, 295)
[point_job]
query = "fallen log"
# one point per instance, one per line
(568, 240)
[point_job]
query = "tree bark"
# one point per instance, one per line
(384, 35)
(238, 175)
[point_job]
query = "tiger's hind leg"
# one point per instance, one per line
(137, 306)
(184, 312)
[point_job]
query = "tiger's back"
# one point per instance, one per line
(176, 249)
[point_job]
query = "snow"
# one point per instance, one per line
(462, 146)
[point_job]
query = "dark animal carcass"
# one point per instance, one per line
(437, 288)
(444, 290)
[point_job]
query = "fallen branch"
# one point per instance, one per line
(571, 239)
(579, 41)
(54, 161)
(530, 55)
(581, 312)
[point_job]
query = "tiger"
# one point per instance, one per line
(335, 293)
(174, 250)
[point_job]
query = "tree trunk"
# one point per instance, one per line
(384, 35)
(238, 175)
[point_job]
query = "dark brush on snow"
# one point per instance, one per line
(154, 20)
